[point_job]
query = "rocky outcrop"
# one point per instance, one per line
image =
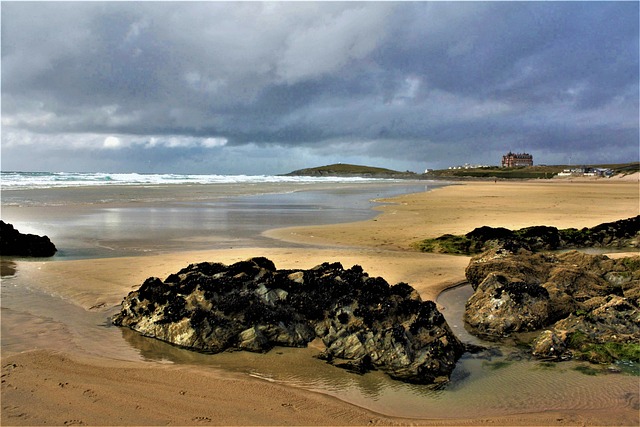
(587, 304)
(363, 322)
(618, 234)
(609, 331)
(501, 305)
(14, 243)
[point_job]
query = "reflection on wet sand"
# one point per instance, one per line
(499, 380)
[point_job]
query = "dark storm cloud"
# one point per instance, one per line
(410, 83)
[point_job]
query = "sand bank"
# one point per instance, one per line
(458, 209)
(63, 385)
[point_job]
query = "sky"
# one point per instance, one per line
(268, 87)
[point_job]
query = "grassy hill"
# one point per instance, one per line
(490, 172)
(344, 169)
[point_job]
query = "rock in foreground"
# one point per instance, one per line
(363, 322)
(584, 306)
(14, 243)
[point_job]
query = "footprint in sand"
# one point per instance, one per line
(90, 394)
(289, 405)
(8, 369)
(14, 412)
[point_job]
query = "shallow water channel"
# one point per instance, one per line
(500, 381)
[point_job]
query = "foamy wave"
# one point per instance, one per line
(32, 180)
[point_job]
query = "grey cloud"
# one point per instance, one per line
(398, 81)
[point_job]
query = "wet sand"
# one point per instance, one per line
(116, 221)
(64, 365)
(458, 209)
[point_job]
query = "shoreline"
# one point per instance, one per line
(96, 222)
(458, 209)
(51, 385)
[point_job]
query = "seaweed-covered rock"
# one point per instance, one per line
(587, 303)
(622, 233)
(523, 266)
(501, 305)
(609, 331)
(617, 234)
(12, 242)
(363, 322)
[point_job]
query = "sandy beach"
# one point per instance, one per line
(77, 374)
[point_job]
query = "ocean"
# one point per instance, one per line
(37, 180)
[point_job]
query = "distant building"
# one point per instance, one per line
(469, 166)
(511, 160)
(587, 171)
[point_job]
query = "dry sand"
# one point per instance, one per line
(459, 209)
(57, 387)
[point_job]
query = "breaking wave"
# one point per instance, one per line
(31, 180)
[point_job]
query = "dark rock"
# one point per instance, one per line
(523, 266)
(14, 243)
(618, 234)
(611, 234)
(501, 305)
(588, 303)
(539, 237)
(363, 322)
(485, 234)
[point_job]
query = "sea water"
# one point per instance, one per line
(31, 180)
(106, 220)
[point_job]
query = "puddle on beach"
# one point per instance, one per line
(481, 385)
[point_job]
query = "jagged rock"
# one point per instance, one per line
(501, 305)
(622, 233)
(625, 232)
(530, 238)
(610, 330)
(549, 345)
(363, 322)
(584, 301)
(618, 234)
(523, 265)
(12, 242)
